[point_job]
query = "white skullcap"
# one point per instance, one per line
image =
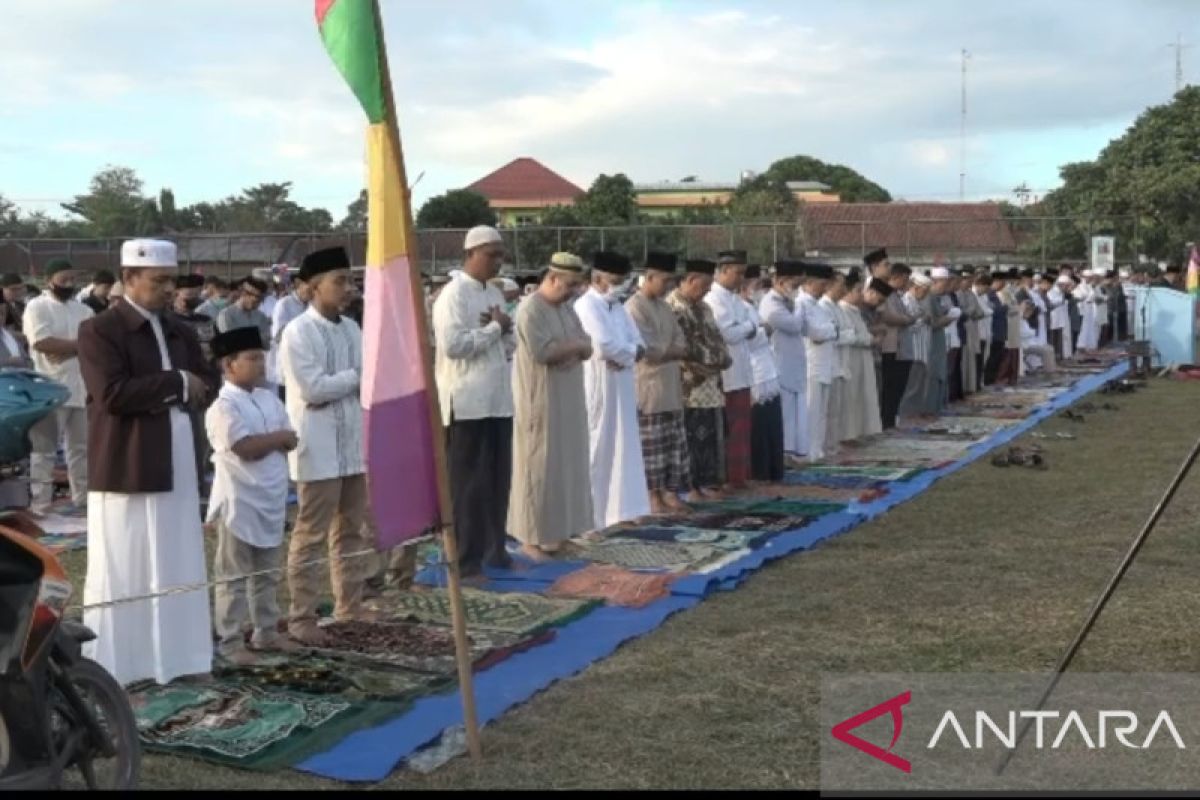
(481, 235)
(938, 273)
(149, 253)
(568, 262)
(1063, 279)
(509, 285)
(1089, 273)
(920, 280)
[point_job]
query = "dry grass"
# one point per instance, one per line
(992, 570)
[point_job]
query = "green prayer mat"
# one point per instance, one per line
(761, 505)
(245, 726)
(510, 612)
(322, 673)
(882, 473)
(639, 554)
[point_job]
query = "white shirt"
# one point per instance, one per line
(820, 331)
(473, 375)
(285, 311)
(250, 497)
(1060, 315)
(47, 318)
(951, 330)
(787, 339)
(615, 337)
(984, 325)
(733, 318)
(321, 365)
(845, 337)
(762, 362)
(920, 329)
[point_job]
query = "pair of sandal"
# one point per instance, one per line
(1021, 457)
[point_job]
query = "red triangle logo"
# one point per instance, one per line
(842, 733)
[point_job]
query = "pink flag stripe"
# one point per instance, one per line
(398, 433)
(391, 342)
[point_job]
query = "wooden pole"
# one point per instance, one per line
(445, 507)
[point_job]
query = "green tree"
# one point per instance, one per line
(356, 215)
(167, 211)
(458, 208)
(115, 206)
(1150, 174)
(848, 184)
(609, 201)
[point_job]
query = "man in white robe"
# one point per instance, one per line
(820, 332)
(1060, 317)
(144, 373)
(619, 490)
(838, 402)
(738, 331)
(780, 312)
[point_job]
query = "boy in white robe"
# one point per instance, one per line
(250, 434)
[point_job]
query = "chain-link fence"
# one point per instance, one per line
(1039, 241)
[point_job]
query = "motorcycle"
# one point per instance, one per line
(59, 711)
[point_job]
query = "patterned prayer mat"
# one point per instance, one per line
(331, 673)
(828, 481)
(643, 555)
(245, 726)
(422, 648)
(719, 539)
(514, 612)
(881, 472)
(613, 585)
(767, 504)
(807, 493)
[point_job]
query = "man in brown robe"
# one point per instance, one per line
(660, 386)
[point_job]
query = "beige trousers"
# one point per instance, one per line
(44, 437)
(255, 597)
(331, 519)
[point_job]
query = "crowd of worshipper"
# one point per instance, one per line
(589, 398)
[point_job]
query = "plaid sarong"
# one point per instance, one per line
(665, 450)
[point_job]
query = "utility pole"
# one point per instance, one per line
(962, 137)
(1179, 47)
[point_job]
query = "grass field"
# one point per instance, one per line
(991, 570)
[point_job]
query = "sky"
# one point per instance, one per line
(207, 97)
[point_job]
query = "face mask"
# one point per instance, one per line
(63, 293)
(219, 302)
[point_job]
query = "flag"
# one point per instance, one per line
(398, 432)
(1193, 275)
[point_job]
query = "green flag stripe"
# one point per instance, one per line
(352, 39)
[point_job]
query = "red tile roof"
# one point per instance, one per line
(526, 181)
(903, 226)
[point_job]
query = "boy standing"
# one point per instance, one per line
(250, 434)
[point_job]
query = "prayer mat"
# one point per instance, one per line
(817, 494)
(508, 612)
(827, 481)
(720, 539)
(881, 472)
(768, 504)
(613, 585)
(636, 554)
(327, 673)
(245, 726)
(422, 648)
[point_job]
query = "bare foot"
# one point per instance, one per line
(657, 505)
(536, 553)
(672, 501)
(696, 496)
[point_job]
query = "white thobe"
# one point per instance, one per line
(733, 319)
(618, 471)
(140, 544)
(835, 420)
(1043, 330)
(1088, 338)
(820, 332)
(786, 319)
(286, 310)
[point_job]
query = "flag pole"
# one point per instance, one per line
(445, 506)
